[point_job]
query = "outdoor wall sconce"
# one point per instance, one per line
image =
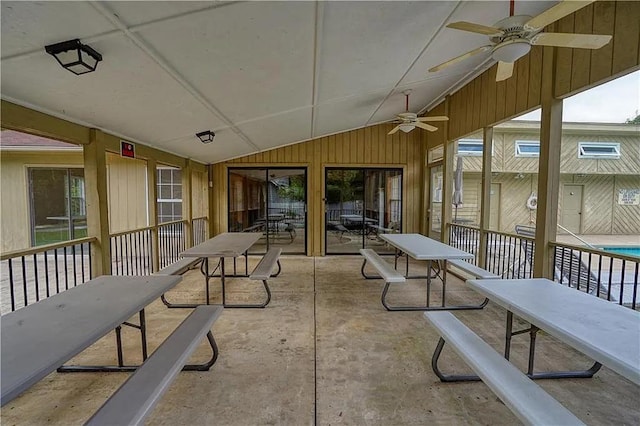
(74, 56)
(206, 136)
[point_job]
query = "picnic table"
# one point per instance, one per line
(40, 338)
(419, 247)
(604, 331)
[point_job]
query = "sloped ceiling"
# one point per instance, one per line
(259, 74)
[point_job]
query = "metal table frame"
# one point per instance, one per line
(414, 245)
(221, 246)
(40, 338)
(616, 328)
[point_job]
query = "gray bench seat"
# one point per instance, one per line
(387, 273)
(262, 272)
(179, 267)
(528, 401)
(470, 268)
(137, 397)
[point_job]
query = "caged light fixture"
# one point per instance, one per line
(206, 136)
(75, 56)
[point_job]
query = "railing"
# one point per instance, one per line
(132, 252)
(28, 276)
(601, 273)
(199, 230)
(170, 241)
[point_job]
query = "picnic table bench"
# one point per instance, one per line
(528, 401)
(136, 398)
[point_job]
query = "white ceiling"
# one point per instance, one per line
(260, 74)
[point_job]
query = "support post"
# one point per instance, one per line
(485, 205)
(213, 208)
(95, 175)
(187, 202)
(447, 178)
(152, 191)
(548, 169)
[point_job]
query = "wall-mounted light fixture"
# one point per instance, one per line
(75, 56)
(206, 136)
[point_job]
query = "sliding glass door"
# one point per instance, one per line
(360, 205)
(271, 201)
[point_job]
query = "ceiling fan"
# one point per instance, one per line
(410, 120)
(512, 37)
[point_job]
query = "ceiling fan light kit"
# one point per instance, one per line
(511, 50)
(513, 36)
(410, 120)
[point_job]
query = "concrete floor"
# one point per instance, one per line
(324, 352)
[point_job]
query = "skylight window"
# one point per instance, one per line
(527, 148)
(609, 150)
(470, 147)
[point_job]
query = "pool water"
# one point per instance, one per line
(629, 250)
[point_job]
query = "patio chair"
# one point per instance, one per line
(570, 270)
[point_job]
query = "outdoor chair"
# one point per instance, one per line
(570, 270)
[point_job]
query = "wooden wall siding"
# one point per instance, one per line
(126, 182)
(514, 194)
(368, 147)
(199, 197)
(626, 219)
(628, 163)
(14, 203)
(576, 69)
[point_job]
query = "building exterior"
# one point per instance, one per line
(599, 177)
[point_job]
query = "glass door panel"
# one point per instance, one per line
(287, 209)
(360, 204)
(272, 202)
(435, 202)
(383, 201)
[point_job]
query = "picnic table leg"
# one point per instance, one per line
(448, 377)
(224, 296)
(428, 281)
(533, 330)
(119, 349)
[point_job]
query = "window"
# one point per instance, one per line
(599, 150)
(527, 148)
(470, 147)
(169, 194)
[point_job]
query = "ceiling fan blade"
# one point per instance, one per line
(475, 28)
(425, 126)
(505, 70)
(394, 130)
(460, 58)
(433, 118)
(577, 41)
(555, 13)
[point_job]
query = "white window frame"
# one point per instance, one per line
(471, 153)
(615, 155)
(520, 143)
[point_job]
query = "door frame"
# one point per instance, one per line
(266, 169)
(564, 189)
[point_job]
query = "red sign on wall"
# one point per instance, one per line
(127, 149)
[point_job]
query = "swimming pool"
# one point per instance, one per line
(628, 250)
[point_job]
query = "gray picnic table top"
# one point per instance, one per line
(606, 332)
(41, 337)
(420, 247)
(227, 244)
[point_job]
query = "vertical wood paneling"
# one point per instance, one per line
(581, 61)
(625, 42)
(535, 77)
(603, 23)
(511, 93)
(491, 95)
(564, 59)
(501, 99)
(484, 95)
(522, 84)
(477, 103)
